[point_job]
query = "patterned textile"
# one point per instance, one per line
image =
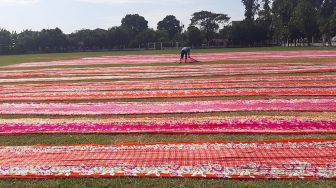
(200, 125)
(109, 108)
(277, 159)
(155, 59)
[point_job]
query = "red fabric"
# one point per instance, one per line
(277, 159)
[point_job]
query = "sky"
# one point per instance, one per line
(73, 15)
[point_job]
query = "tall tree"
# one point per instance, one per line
(119, 37)
(82, 39)
(282, 16)
(325, 20)
(134, 23)
(162, 36)
(5, 41)
(305, 18)
(264, 22)
(251, 8)
(52, 40)
(148, 35)
(265, 15)
(195, 37)
(333, 23)
(171, 25)
(100, 38)
(27, 41)
(208, 22)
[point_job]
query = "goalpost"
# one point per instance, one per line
(163, 45)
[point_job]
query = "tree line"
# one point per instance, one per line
(266, 22)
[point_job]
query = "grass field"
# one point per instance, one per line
(14, 59)
(53, 139)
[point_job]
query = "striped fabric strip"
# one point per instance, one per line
(277, 159)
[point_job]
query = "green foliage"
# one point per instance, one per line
(282, 15)
(195, 37)
(5, 41)
(265, 16)
(327, 19)
(119, 37)
(134, 24)
(171, 25)
(148, 35)
(208, 22)
(305, 17)
(27, 41)
(162, 36)
(251, 8)
(333, 23)
(82, 38)
(51, 40)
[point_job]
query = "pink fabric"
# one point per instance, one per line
(325, 105)
(148, 59)
(265, 126)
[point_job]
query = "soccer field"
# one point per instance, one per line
(142, 97)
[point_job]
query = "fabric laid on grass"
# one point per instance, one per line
(157, 85)
(230, 80)
(253, 126)
(277, 159)
(140, 94)
(170, 58)
(110, 108)
(230, 69)
(165, 75)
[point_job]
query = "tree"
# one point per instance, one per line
(99, 38)
(119, 37)
(195, 37)
(5, 41)
(148, 35)
(333, 23)
(52, 40)
(305, 18)
(162, 36)
(265, 15)
(134, 23)
(325, 20)
(282, 16)
(251, 8)
(27, 41)
(264, 21)
(208, 22)
(82, 39)
(171, 25)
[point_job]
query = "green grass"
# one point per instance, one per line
(15, 59)
(181, 115)
(162, 183)
(292, 60)
(171, 183)
(104, 139)
(171, 99)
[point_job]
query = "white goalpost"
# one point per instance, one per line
(163, 45)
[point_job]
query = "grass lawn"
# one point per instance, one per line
(15, 59)
(159, 182)
(145, 138)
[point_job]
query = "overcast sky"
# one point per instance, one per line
(72, 15)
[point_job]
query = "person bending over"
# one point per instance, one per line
(185, 53)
